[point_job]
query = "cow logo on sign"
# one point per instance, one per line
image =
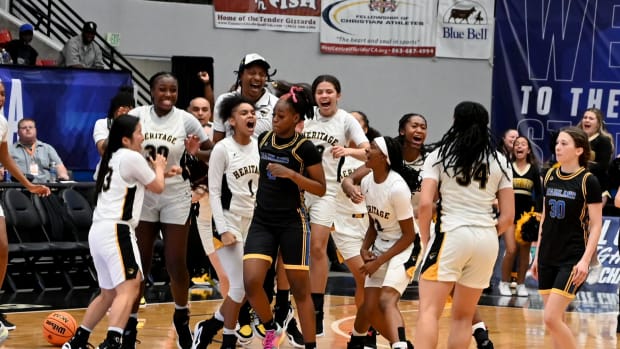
(382, 5)
(466, 12)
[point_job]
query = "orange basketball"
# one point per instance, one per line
(59, 327)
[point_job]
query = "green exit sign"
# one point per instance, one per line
(114, 39)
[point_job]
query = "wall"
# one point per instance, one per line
(384, 87)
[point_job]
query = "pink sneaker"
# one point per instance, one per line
(273, 338)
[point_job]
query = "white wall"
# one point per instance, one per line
(384, 87)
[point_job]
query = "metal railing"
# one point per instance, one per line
(57, 20)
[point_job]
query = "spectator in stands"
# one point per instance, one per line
(34, 157)
(20, 50)
(81, 51)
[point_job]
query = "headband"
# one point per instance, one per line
(380, 141)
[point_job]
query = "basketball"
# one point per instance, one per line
(59, 327)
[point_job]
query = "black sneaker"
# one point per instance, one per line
(319, 323)
(108, 345)
(205, 331)
(356, 342)
(482, 339)
(370, 341)
(180, 320)
(229, 341)
(295, 338)
(8, 324)
(283, 316)
(130, 334)
(75, 344)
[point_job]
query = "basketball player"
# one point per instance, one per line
(331, 130)
(233, 180)
(123, 175)
(290, 166)
(464, 169)
(9, 165)
(168, 131)
(569, 232)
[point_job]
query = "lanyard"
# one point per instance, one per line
(31, 151)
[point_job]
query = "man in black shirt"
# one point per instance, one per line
(20, 50)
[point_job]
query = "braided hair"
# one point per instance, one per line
(468, 142)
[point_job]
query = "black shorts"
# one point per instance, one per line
(291, 234)
(557, 279)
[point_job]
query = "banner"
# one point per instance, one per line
(465, 28)
(378, 27)
(65, 103)
(285, 15)
(554, 59)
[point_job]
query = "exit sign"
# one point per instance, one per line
(114, 39)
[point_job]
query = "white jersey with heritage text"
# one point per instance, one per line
(166, 134)
(326, 132)
(388, 203)
(123, 188)
(468, 203)
(239, 165)
(344, 204)
(264, 113)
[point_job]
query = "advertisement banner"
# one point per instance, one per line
(465, 28)
(553, 60)
(284, 15)
(65, 103)
(378, 27)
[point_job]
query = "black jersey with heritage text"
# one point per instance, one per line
(565, 227)
(281, 195)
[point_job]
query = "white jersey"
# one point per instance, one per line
(326, 132)
(166, 134)
(238, 164)
(388, 203)
(101, 130)
(123, 189)
(468, 204)
(343, 203)
(4, 129)
(264, 113)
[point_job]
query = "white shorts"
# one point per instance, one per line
(203, 223)
(237, 224)
(115, 253)
(349, 232)
(322, 209)
(171, 207)
(1, 212)
(391, 274)
(465, 255)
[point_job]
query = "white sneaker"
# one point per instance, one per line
(4, 333)
(504, 289)
(522, 291)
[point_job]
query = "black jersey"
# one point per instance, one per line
(528, 189)
(565, 227)
(277, 195)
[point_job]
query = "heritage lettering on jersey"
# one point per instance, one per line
(373, 210)
(250, 169)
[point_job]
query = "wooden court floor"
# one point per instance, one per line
(510, 327)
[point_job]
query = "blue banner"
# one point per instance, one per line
(65, 103)
(553, 60)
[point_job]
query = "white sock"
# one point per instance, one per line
(477, 326)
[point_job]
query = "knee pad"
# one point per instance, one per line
(236, 294)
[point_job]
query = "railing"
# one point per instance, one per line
(57, 20)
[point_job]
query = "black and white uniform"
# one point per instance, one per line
(263, 107)
(326, 132)
(4, 131)
(166, 135)
(112, 237)
(564, 228)
(233, 182)
(388, 203)
(280, 219)
(351, 220)
(465, 245)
